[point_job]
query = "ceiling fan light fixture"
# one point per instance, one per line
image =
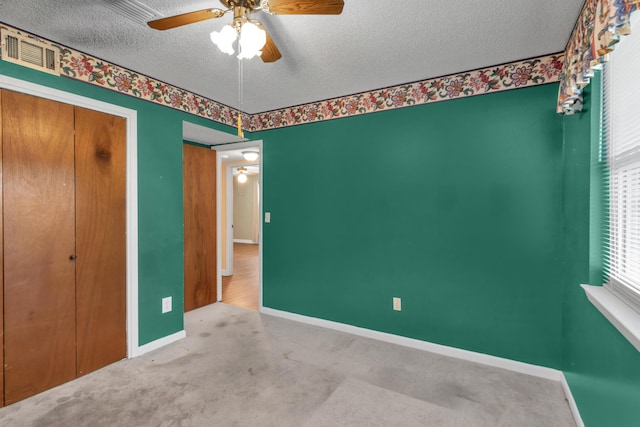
(250, 156)
(252, 40)
(224, 39)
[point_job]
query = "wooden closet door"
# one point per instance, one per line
(100, 239)
(199, 182)
(1, 271)
(39, 229)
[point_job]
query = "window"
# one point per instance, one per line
(621, 148)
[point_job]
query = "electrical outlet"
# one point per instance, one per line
(397, 304)
(166, 305)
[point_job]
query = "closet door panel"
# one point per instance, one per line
(100, 239)
(39, 229)
(1, 271)
(199, 186)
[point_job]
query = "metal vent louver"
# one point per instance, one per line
(12, 47)
(29, 52)
(32, 54)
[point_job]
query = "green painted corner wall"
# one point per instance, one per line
(476, 212)
(160, 202)
(455, 207)
(601, 366)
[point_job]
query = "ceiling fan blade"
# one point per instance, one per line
(185, 18)
(306, 7)
(270, 52)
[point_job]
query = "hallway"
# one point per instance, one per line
(242, 288)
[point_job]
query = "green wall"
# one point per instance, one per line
(455, 207)
(601, 366)
(160, 215)
(477, 212)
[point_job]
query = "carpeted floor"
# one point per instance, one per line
(240, 368)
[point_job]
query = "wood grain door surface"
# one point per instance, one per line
(100, 239)
(39, 229)
(1, 271)
(63, 205)
(199, 181)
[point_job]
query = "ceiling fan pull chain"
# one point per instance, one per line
(240, 100)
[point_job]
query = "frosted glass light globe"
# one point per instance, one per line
(224, 39)
(250, 156)
(252, 40)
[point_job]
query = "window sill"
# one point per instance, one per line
(622, 316)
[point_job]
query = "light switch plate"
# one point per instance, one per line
(166, 305)
(267, 217)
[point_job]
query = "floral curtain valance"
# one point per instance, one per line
(599, 27)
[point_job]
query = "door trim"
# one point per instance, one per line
(131, 117)
(228, 214)
(220, 171)
(229, 233)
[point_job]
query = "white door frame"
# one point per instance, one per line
(229, 202)
(131, 116)
(229, 214)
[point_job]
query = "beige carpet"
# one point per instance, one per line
(237, 367)
(357, 403)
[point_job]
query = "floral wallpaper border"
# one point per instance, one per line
(531, 72)
(515, 75)
(86, 68)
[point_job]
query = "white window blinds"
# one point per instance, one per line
(621, 132)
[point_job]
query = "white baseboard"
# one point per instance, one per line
(154, 345)
(471, 356)
(572, 403)
(250, 242)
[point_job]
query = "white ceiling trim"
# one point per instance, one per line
(513, 75)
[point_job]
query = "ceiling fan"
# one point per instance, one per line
(242, 10)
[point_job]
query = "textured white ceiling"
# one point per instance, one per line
(373, 44)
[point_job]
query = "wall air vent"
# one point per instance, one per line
(29, 52)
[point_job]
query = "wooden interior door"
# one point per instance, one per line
(100, 239)
(199, 181)
(1, 272)
(39, 239)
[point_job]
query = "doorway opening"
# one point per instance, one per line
(240, 281)
(240, 225)
(246, 265)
